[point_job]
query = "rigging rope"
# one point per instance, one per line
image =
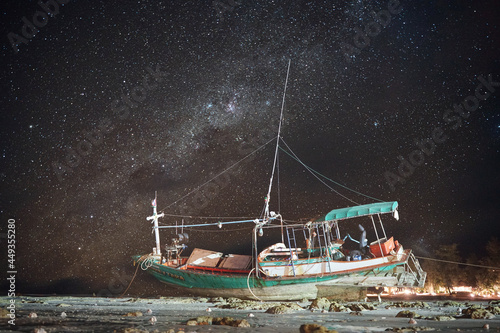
(313, 172)
(219, 174)
(208, 217)
(277, 143)
(222, 230)
(206, 224)
(308, 169)
(459, 263)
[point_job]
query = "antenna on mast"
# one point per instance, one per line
(154, 217)
(266, 211)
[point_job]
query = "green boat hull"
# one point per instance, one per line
(248, 286)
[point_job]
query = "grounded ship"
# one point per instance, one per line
(321, 267)
(309, 260)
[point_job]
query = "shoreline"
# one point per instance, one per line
(93, 314)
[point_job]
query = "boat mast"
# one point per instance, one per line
(266, 211)
(266, 216)
(154, 217)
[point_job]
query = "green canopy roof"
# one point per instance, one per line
(350, 212)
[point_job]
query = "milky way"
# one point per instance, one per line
(108, 103)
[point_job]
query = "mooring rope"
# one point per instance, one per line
(248, 285)
(146, 263)
(458, 263)
(133, 277)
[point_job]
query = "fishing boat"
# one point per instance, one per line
(310, 259)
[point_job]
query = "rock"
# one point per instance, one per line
(284, 308)
(233, 300)
(408, 305)
(202, 300)
(134, 314)
(493, 309)
(173, 300)
(241, 323)
(485, 315)
(320, 304)
(406, 314)
(280, 309)
(35, 301)
(443, 318)
(315, 328)
(478, 313)
(357, 307)
(3, 313)
(410, 329)
(368, 306)
(133, 300)
(192, 322)
(217, 300)
(337, 307)
(63, 305)
(239, 304)
(227, 321)
(453, 303)
(204, 320)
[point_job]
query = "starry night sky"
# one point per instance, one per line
(113, 100)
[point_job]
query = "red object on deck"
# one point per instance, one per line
(386, 245)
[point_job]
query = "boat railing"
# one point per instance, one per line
(413, 275)
(421, 274)
(290, 239)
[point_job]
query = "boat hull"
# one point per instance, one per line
(284, 288)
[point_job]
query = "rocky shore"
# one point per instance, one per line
(179, 314)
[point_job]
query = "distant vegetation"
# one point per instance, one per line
(444, 275)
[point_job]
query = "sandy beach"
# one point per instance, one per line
(173, 314)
